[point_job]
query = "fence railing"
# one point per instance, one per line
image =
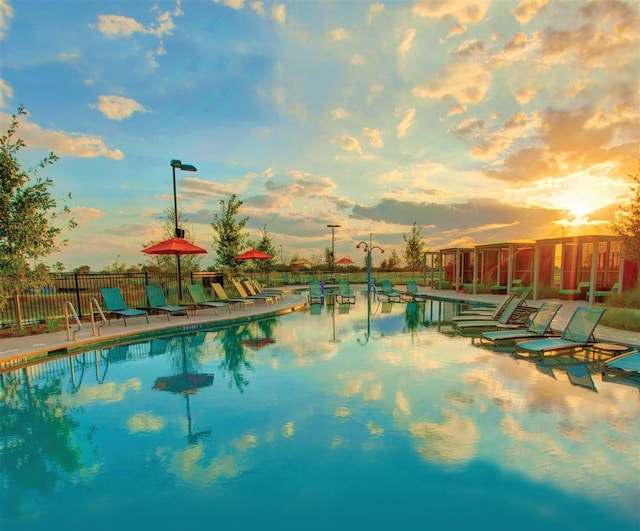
(47, 305)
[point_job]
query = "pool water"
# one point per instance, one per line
(343, 417)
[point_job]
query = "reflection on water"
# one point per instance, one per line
(368, 418)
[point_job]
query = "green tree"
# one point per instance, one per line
(266, 245)
(627, 224)
(228, 238)
(393, 262)
(28, 216)
(167, 262)
(413, 249)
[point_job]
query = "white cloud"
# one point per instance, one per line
(5, 92)
(348, 143)
(339, 114)
(279, 13)
(118, 107)
(406, 42)
(373, 136)
(233, 4)
(374, 9)
(339, 34)
(258, 7)
(114, 26)
(405, 123)
(5, 12)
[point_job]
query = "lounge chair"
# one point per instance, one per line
(316, 293)
(267, 291)
(344, 293)
(624, 365)
(412, 293)
(114, 305)
(493, 310)
(386, 290)
(577, 334)
(223, 297)
(243, 293)
(157, 302)
(506, 318)
(539, 327)
(600, 293)
(489, 315)
(200, 299)
(254, 290)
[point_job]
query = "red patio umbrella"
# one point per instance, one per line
(174, 246)
(344, 261)
(254, 254)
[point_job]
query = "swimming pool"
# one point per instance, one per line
(333, 419)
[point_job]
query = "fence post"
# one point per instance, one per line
(77, 284)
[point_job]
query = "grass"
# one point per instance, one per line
(622, 318)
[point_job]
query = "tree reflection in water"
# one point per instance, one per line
(35, 441)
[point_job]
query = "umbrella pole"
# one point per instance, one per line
(179, 278)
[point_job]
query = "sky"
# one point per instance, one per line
(481, 121)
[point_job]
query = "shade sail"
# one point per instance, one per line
(254, 254)
(174, 246)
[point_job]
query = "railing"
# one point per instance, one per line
(95, 308)
(68, 306)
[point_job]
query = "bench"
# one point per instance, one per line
(599, 293)
(576, 293)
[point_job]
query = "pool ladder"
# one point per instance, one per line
(95, 308)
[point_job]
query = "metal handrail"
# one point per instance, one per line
(103, 319)
(69, 305)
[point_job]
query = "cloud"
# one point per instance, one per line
(279, 13)
(115, 26)
(373, 136)
(405, 123)
(527, 9)
(374, 9)
(461, 11)
(118, 107)
(339, 114)
(348, 143)
(339, 34)
(464, 82)
(406, 43)
(258, 8)
(233, 4)
(6, 12)
(5, 92)
(63, 143)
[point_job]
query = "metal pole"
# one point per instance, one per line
(175, 212)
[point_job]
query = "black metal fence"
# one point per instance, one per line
(48, 304)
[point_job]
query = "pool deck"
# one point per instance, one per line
(18, 351)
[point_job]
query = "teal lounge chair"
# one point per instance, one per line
(386, 290)
(578, 333)
(412, 293)
(316, 294)
(624, 365)
(492, 310)
(344, 293)
(478, 315)
(114, 305)
(157, 302)
(200, 299)
(539, 327)
(506, 318)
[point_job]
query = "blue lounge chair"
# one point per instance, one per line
(200, 299)
(624, 365)
(577, 334)
(492, 310)
(386, 290)
(157, 302)
(344, 293)
(507, 317)
(114, 305)
(539, 327)
(491, 315)
(412, 293)
(316, 294)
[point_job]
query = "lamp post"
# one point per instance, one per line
(367, 249)
(333, 247)
(176, 164)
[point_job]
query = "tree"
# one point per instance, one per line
(266, 245)
(627, 224)
(228, 238)
(413, 250)
(28, 216)
(167, 262)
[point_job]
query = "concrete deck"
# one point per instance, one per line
(18, 351)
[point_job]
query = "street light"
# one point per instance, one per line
(179, 232)
(333, 247)
(367, 249)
